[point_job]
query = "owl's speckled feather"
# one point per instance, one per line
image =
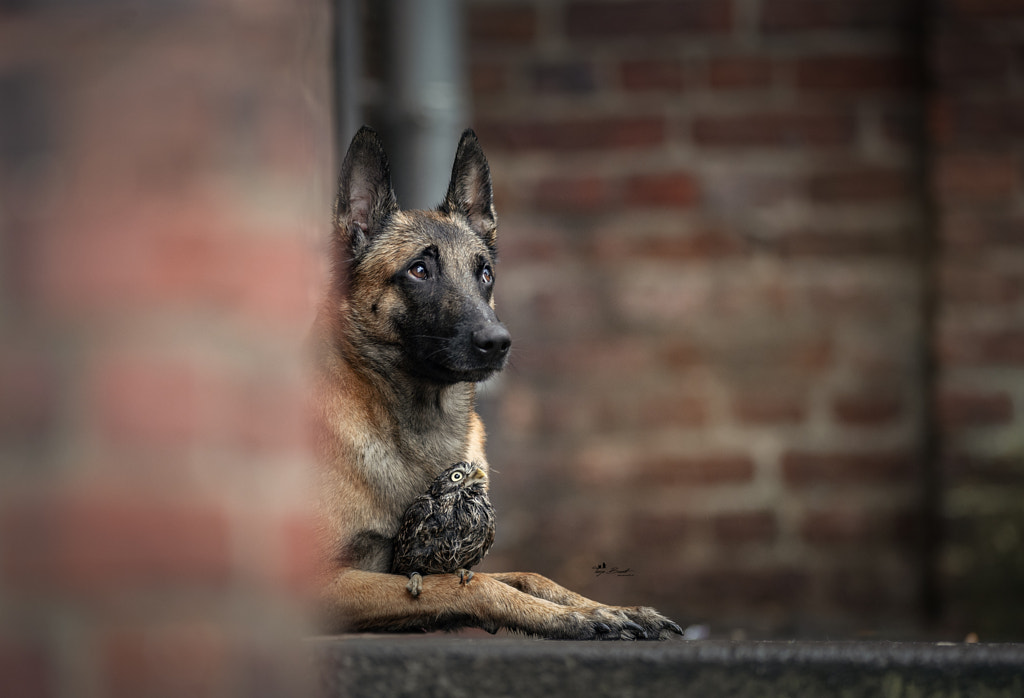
(448, 529)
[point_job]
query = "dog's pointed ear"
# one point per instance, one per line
(470, 192)
(365, 196)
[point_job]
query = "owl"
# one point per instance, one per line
(446, 530)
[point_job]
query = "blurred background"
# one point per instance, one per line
(762, 260)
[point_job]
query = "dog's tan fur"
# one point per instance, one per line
(384, 431)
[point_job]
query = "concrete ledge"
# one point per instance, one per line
(424, 666)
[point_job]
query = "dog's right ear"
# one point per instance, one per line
(366, 198)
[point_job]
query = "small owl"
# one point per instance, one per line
(446, 530)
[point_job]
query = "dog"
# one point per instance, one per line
(406, 329)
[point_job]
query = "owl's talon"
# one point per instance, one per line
(465, 577)
(415, 585)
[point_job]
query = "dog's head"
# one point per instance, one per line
(417, 286)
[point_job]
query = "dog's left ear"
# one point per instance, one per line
(470, 193)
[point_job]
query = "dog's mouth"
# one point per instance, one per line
(451, 361)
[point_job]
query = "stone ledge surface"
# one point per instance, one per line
(425, 666)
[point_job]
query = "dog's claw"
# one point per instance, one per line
(635, 629)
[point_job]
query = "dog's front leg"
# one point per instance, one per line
(652, 625)
(371, 601)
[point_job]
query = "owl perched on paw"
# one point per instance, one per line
(446, 530)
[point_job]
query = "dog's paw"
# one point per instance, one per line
(631, 623)
(652, 625)
(415, 585)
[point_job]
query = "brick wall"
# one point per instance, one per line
(164, 179)
(977, 129)
(718, 224)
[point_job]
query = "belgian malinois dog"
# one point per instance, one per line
(406, 329)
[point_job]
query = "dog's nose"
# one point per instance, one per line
(492, 340)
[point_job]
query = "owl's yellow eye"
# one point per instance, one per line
(456, 476)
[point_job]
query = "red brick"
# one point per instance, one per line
(97, 543)
(26, 670)
(775, 129)
(959, 409)
(565, 77)
(982, 348)
(672, 411)
(762, 408)
(813, 354)
(740, 72)
(963, 282)
(701, 245)
(962, 61)
(977, 177)
(186, 659)
(680, 353)
(692, 471)
(872, 594)
(990, 8)
(856, 526)
(965, 469)
(512, 24)
(487, 78)
(745, 527)
(28, 395)
(728, 588)
(173, 403)
(867, 410)
(580, 195)
(802, 15)
(861, 185)
(846, 244)
(609, 133)
(664, 528)
(263, 415)
(652, 75)
(982, 122)
(855, 73)
(969, 234)
(806, 469)
(187, 258)
(671, 189)
(646, 18)
(152, 401)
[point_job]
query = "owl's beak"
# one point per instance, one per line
(478, 474)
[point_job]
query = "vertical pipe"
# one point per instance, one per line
(928, 255)
(426, 103)
(347, 54)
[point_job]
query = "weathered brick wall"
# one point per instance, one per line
(713, 229)
(978, 137)
(164, 177)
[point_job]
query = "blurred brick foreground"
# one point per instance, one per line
(763, 261)
(163, 189)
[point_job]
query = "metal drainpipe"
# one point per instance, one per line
(348, 74)
(426, 100)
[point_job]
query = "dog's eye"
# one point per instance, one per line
(487, 276)
(456, 477)
(419, 271)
